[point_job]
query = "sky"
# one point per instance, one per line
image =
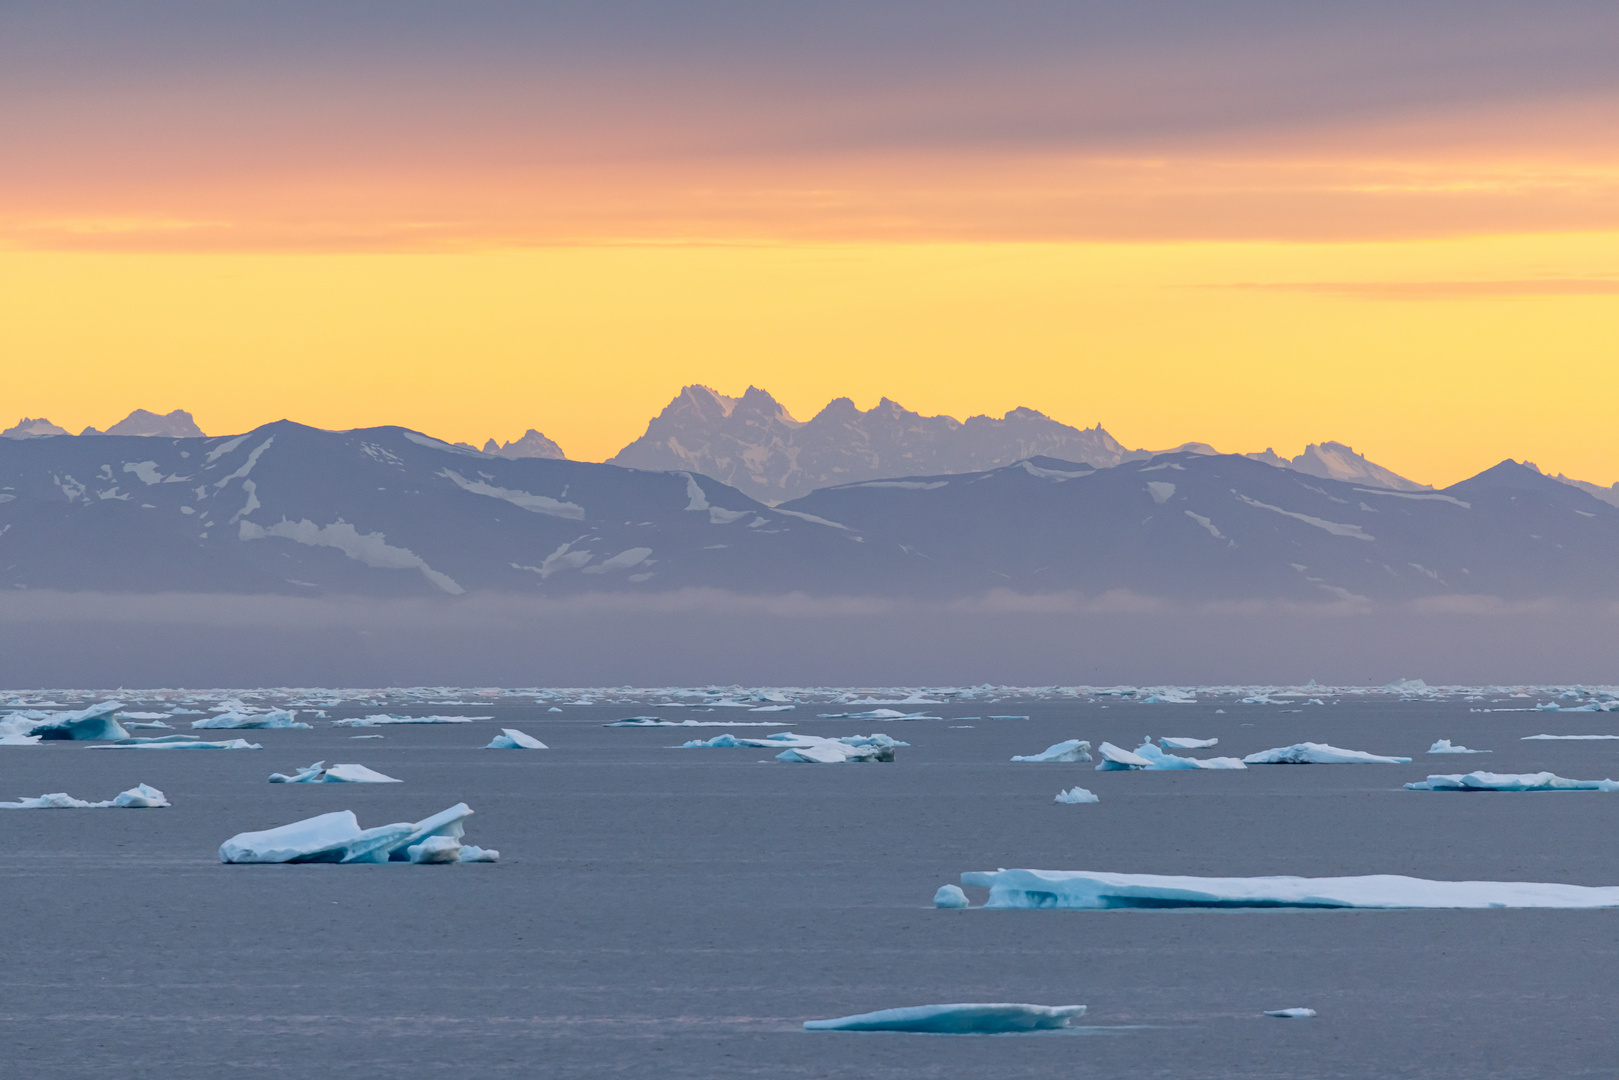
(1242, 222)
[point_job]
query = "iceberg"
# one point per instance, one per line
(1158, 760)
(170, 743)
(1071, 750)
(1311, 753)
(1484, 781)
(228, 721)
(512, 739)
(318, 773)
(1116, 759)
(964, 1019)
(383, 719)
(1444, 746)
(139, 740)
(950, 896)
(16, 738)
(1076, 795)
(140, 797)
(338, 838)
(1187, 744)
(1290, 1014)
(83, 725)
(1088, 890)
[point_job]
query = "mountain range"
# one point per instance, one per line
(753, 444)
(293, 510)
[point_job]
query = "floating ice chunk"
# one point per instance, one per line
(275, 718)
(1444, 746)
(512, 739)
(553, 709)
(877, 714)
(15, 738)
(653, 721)
(141, 797)
(169, 743)
(809, 749)
(1570, 738)
(318, 773)
(1187, 744)
(1290, 1014)
(1076, 795)
(474, 853)
(1484, 781)
(1070, 750)
(157, 716)
(950, 896)
(337, 837)
(96, 722)
(140, 740)
(1005, 718)
(1169, 696)
(1310, 753)
(1115, 759)
(383, 719)
(1158, 760)
(1084, 889)
(964, 1019)
(435, 849)
(1549, 706)
(773, 708)
(367, 736)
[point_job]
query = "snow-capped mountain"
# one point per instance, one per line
(30, 428)
(753, 444)
(294, 510)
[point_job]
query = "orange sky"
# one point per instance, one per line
(1389, 229)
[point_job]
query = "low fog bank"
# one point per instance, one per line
(701, 637)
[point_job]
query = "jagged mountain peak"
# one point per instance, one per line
(754, 444)
(175, 425)
(30, 427)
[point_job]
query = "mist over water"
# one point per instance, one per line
(709, 636)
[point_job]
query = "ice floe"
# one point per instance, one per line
(1118, 759)
(1311, 753)
(1290, 1014)
(140, 797)
(1084, 889)
(970, 1018)
(512, 739)
(1068, 750)
(1445, 746)
(1076, 795)
(1486, 781)
(1187, 744)
(950, 896)
(1159, 761)
(877, 714)
(230, 721)
(1568, 738)
(170, 744)
(809, 749)
(318, 773)
(384, 719)
(654, 721)
(337, 837)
